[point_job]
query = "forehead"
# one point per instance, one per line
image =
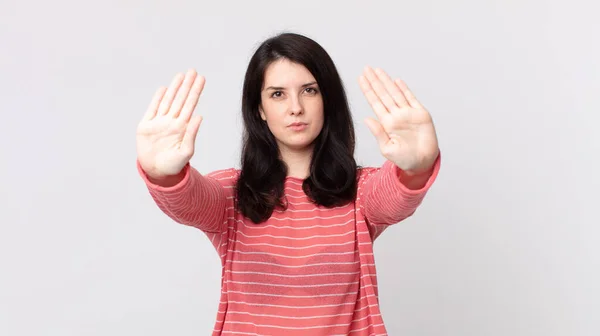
(285, 73)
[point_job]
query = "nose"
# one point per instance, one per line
(295, 106)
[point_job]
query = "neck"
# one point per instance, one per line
(298, 162)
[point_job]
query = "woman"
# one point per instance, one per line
(294, 226)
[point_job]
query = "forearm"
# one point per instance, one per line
(189, 198)
(391, 195)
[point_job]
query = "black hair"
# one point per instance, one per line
(332, 180)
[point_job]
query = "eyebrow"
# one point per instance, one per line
(282, 88)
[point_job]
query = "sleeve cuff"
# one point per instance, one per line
(153, 186)
(393, 177)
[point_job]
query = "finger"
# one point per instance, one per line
(410, 97)
(377, 129)
(380, 89)
(182, 93)
(167, 100)
(153, 107)
(392, 88)
(192, 98)
(189, 138)
(372, 98)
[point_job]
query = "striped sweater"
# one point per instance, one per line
(307, 270)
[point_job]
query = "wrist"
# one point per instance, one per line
(417, 178)
(166, 181)
(426, 168)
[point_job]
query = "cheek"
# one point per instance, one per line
(318, 116)
(319, 126)
(272, 112)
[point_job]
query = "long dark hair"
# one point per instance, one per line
(332, 180)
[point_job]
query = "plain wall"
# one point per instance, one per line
(506, 243)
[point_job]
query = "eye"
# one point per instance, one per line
(276, 94)
(311, 90)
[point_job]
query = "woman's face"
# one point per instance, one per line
(291, 105)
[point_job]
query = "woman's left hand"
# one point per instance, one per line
(405, 131)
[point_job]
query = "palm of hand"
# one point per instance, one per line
(166, 134)
(405, 131)
(161, 139)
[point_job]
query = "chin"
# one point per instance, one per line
(299, 145)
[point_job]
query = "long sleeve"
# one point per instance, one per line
(384, 200)
(199, 201)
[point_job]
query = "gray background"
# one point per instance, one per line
(506, 243)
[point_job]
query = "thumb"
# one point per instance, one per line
(380, 134)
(189, 138)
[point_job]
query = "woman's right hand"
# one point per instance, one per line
(166, 134)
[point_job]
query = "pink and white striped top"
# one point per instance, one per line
(308, 270)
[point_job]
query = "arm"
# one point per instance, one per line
(388, 196)
(190, 198)
(408, 140)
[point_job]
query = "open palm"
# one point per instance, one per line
(167, 133)
(404, 129)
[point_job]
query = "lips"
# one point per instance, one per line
(297, 124)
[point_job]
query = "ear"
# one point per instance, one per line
(262, 113)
